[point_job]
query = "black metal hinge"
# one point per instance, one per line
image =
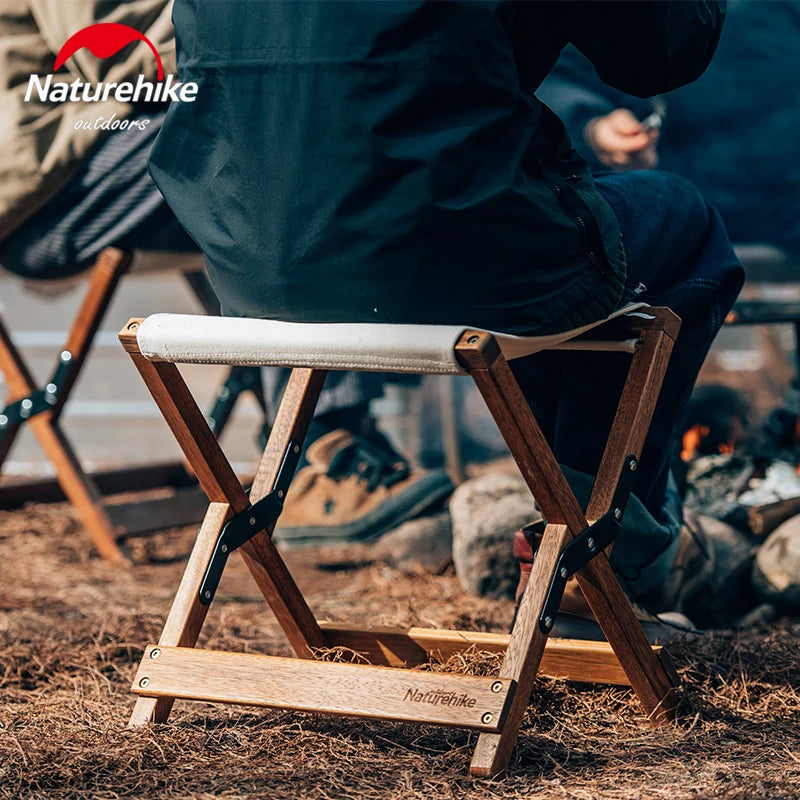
(587, 544)
(40, 400)
(245, 525)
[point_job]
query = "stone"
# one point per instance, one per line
(485, 512)
(424, 544)
(776, 571)
(721, 594)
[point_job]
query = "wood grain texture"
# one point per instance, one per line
(187, 614)
(612, 609)
(109, 268)
(218, 480)
(523, 655)
(609, 604)
(188, 424)
(317, 686)
(587, 662)
(479, 352)
(632, 419)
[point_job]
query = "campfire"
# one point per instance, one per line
(728, 471)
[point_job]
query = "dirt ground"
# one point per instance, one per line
(72, 630)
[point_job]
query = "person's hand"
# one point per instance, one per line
(620, 142)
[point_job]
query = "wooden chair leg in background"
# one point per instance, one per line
(41, 408)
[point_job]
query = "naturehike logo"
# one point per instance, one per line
(438, 697)
(105, 40)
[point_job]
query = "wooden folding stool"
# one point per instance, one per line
(41, 409)
(575, 541)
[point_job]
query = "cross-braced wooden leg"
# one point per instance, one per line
(219, 482)
(78, 487)
(649, 678)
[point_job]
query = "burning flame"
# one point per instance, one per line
(691, 441)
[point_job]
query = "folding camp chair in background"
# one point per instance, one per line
(41, 407)
(575, 541)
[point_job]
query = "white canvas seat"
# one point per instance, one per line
(429, 349)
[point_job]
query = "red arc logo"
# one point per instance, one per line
(104, 40)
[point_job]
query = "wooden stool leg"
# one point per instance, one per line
(479, 352)
(220, 484)
(187, 615)
(523, 655)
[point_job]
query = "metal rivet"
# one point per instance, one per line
(487, 718)
(548, 622)
(65, 356)
(51, 388)
(3, 420)
(252, 520)
(296, 448)
(224, 393)
(144, 683)
(280, 492)
(206, 594)
(618, 513)
(212, 423)
(224, 548)
(473, 339)
(590, 543)
(155, 653)
(563, 572)
(27, 404)
(632, 466)
(25, 412)
(497, 687)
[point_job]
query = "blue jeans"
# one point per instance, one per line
(678, 255)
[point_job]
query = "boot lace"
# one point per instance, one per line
(373, 461)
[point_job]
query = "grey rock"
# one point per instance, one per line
(485, 513)
(776, 571)
(721, 593)
(419, 544)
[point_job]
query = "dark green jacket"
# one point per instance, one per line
(388, 161)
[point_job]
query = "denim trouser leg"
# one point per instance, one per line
(679, 256)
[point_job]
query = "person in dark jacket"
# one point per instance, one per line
(390, 162)
(733, 133)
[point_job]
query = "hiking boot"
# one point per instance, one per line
(353, 490)
(575, 619)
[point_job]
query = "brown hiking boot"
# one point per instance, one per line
(575, 619)
(353, 490)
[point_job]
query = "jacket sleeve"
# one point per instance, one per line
(646, 47)
(57, 20)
